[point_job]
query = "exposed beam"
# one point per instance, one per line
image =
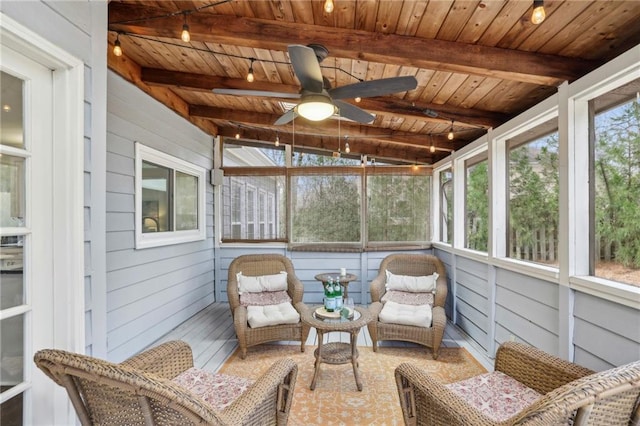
(130, 71)
(387, 105)
(358, 146)
(433, 54)
(329, 128)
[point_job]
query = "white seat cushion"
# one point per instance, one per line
(217, 390)
(398, 313)
(262, 316)
(495, 394)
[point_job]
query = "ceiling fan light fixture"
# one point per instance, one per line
(538, 14)
(316, 107)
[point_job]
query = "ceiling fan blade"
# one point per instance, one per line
(306, 67)
(354, 113)
(286, 117)
(367, 89)
(242, 92)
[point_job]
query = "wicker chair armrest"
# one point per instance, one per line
(280, 380)
(441, 291)
(437, 404)
(295, 288)
(166, 360)
(535, 368)
(377, 287)
(232, 292)
(240, 317)
(374, 310)
(302, 308)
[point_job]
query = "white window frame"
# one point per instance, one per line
(156, 239)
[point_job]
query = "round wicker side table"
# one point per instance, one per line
(337, 352)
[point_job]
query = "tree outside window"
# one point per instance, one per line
(616, 248)
(477, 206)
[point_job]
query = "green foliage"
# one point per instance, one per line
(618, 183)
(477, 207)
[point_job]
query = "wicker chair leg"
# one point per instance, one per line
(243, 352)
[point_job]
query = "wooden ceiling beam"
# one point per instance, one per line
(385, 105)
(359, 146)
(130, 71)
(442, 55)
(329, 129)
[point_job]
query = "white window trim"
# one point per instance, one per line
(143, 152)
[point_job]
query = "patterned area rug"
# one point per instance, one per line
(336, 400)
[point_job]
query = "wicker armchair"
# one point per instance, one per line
(414, 265)
(140, 391)
(257, 265)
(570, 394)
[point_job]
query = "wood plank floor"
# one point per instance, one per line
(212, 338)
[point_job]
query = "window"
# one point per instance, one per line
(398, 206)
(446, 206)
(616, 188)
(325, 205)
(321, 200)
(477, 204)
(170, 199)
(248, 222)
(533, 187)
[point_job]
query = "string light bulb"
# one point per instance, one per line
(185, 36)
(117, 49)
(238, 133)
(450, 136)
(538, 14)
(358, 99)
(347, 148)
(328, 6)
(250, 76)
(432, 149)
(277, 142)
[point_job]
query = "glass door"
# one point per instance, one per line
(26, 270)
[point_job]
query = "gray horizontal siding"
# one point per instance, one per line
(472, 303)
(150, 291)
(606, 334)
(527, 310)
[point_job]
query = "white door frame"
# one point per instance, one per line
(68, 202)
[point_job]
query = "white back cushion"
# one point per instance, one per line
(276, 282)
(410, 283)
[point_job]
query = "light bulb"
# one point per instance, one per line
(277, 142)
(250, 76)
(538, 14)
(238, 135)
(414, 167)
(185, 36)
(432, 148)
(358, 99)
(6, 108)
(117, 50)
(450, 135)
(328, 6)
(347, 149)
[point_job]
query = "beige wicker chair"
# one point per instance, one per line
(257, 265)
(572, 395)
(140, 391)
(414, 265)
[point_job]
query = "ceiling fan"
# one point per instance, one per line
(318, 100)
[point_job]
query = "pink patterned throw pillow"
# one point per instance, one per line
(495, 394)
(408, 298)
(264, 298)
(217, 390)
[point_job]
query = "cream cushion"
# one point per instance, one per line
(249, 284)
(410, 283)
(262, 316)
(398, 313)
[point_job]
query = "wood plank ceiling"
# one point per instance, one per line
(477, 63)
